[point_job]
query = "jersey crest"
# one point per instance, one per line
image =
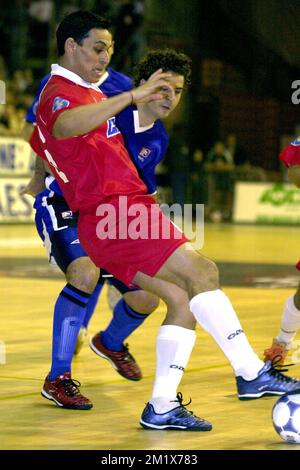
(143, 154)
(111, 127)
(59, 103)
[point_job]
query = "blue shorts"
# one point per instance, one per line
(57, 226)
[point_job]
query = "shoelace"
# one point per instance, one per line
(182, 412)
(179, 399)
(124, 355)
(71, 387)
(280, 367)
(276, 371)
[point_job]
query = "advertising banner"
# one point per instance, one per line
(16, 157)
(266, 203)
(13, 207)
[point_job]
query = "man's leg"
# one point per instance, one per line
(129, 313)
(290, 324)
(92, 303)
(174, 344)
(198, 276)
(69, 312)
(60, 238)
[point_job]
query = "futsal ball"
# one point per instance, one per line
(286, 417)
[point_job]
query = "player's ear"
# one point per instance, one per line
(70, 45)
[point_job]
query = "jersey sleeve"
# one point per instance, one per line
(291, 154)
(148, 176)
(56, 104)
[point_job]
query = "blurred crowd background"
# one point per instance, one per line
(235, 116)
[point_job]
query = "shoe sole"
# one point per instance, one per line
(96, 351)
(263, 394)
(171, 428)
(80, 407)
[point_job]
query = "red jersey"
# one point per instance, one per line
(89, 168)
(291, 154)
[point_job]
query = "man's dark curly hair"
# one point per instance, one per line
(166, 59)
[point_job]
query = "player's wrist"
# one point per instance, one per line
(131, 98)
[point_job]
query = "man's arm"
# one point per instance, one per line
(83, 119)
(37, 183)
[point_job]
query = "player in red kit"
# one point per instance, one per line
(123, 230)
(290, 320)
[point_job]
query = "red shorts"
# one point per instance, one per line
(124, 244)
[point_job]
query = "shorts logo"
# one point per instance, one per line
(67, 215)
(75, 242)
(144, 153)
(111, 127)
(59, 103)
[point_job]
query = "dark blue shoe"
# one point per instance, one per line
(179, 419)
(269, 381)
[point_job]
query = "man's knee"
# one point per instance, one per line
(141, 301)
(206, 280)
(83, 274)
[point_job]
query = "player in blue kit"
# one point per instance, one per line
(57, 225)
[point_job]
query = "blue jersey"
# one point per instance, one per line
(31, 111)
(114, 83)
(146, 145)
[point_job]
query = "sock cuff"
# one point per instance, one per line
(130, 312)
(176, 333)
(290, 305)
(75, 295)
(206, 296)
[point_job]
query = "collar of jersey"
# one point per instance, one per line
(57, 69)
(136, 121)
(103, 78)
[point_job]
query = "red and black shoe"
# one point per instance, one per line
(277, 352)
(64, 391)
(122, 361)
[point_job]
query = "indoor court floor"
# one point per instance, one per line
(258, 274)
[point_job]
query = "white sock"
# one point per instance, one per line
(214, 312)
(174, 345)
(290, 322)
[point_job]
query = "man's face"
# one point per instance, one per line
(92, 57)
(171, 97)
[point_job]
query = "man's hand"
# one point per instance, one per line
(153, 89)
(35, 186)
